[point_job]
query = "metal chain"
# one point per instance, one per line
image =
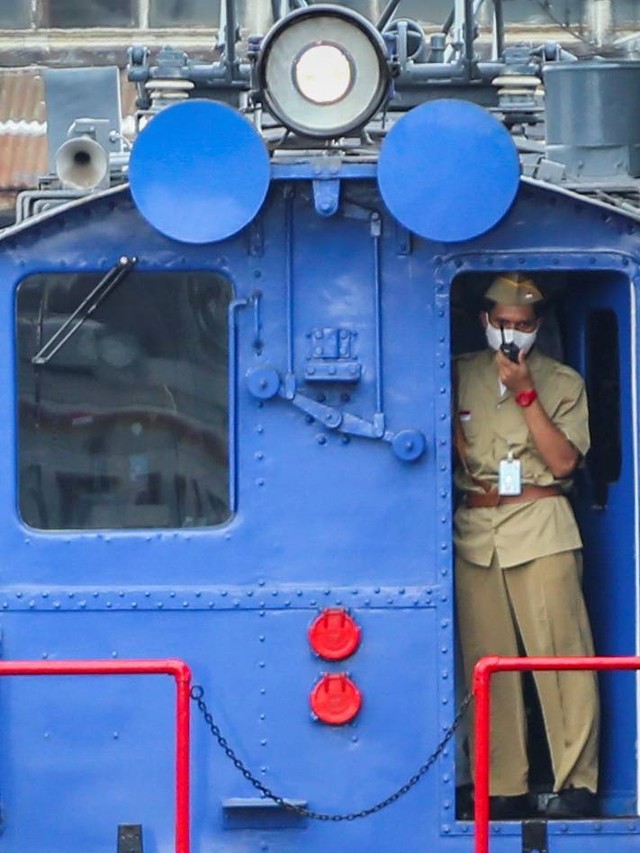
(197, 694)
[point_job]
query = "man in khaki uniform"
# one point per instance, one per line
(521, 429)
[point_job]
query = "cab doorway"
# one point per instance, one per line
(589, 324)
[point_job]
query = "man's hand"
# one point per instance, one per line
(515, 377)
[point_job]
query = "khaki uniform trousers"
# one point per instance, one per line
(539, 606)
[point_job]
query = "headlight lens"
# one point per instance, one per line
(322, 74)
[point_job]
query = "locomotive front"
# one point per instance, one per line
(228, 441)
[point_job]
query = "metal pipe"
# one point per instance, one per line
(469, 20)
(230, 38)
(387, 14)
(233, 400)
(415, 74)
(182, 675)
(288, 260)
(498, 27)
(482, 673)
(376, 231)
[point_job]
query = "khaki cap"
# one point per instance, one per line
(513, 289)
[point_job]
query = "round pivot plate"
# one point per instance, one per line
(408, 445)
(335, 699)
(263, 382)
(448, 171)
(199, 172)
(334, 634)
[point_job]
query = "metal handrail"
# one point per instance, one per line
(182, 675)
(482, 673)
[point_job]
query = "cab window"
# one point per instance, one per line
(123, 424)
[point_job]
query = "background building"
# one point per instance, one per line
(67, 33)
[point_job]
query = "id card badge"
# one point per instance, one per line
(510, 476)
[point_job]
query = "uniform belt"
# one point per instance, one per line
(475, 500)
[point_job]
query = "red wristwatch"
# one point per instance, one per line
(526, 398)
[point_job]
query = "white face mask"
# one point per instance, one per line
(523, 340)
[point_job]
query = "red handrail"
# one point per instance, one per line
(182, 675)
(482, 673)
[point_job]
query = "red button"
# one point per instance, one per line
(334, 635)
(335, 699)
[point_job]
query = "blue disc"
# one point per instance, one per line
(199, 172)
(448, 171)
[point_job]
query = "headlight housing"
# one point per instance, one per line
(323, 71)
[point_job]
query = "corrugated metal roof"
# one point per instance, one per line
(23, 145)
(23, 141)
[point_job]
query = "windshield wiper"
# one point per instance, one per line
(85, 309)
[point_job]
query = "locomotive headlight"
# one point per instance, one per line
(323, 71)
(322, 74)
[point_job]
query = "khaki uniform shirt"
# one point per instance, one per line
(493, 424)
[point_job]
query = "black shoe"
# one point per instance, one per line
(571, 804)
(509, 808)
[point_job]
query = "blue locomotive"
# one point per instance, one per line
(226, 421)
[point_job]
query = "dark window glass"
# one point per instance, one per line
(184, 13)
(14, 13)
(126, 425)
(90, 13)
(604, 460)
